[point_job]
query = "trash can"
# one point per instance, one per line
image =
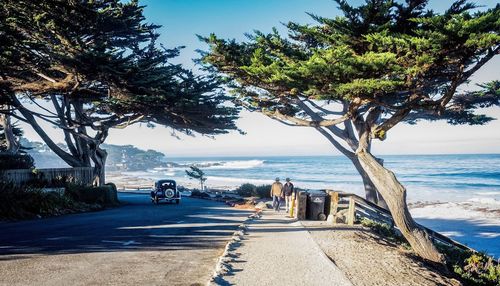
(315, 209)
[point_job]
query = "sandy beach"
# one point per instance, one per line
(474, 222)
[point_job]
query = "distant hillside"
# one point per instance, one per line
(130, 158)
(125, 158)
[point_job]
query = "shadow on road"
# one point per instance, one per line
(138, 226)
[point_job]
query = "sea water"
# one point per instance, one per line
(426, 177)
(467, 186)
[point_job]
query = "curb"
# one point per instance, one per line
(223, 265)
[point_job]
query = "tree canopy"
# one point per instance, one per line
(98, 65)
(356, 76)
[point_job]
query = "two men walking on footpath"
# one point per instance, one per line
(280, 191)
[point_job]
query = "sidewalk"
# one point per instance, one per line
(278, 251)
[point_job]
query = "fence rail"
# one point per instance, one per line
(81, 175)
(359, 207)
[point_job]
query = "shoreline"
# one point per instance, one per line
(473, 222)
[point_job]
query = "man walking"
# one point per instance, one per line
(288, 191)
(277, 194)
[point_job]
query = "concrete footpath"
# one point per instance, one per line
(278, 251)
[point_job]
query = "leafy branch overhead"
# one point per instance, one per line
(88, 66)
(354, 77)
(405, 59)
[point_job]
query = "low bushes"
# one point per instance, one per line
(104, 195)
(251, 190)
(16, 161)
(199, 194)
(473, 268)
(385, 230)
(23, 202)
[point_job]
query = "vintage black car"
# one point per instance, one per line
(165, 190)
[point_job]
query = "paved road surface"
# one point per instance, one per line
(137, 244)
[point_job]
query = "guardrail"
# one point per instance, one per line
(354, 206)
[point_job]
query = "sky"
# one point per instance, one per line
(182, 20)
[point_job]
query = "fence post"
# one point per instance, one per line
(351, 213)
(334, 205)
(301, 206)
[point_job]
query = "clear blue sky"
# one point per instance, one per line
(183, 19)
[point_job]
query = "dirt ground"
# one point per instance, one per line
(368, 259)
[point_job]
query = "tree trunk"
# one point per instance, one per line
(99, 158)
(68, 158)
(371, 193)
(370, 190)
(11, 143)
(395, 196)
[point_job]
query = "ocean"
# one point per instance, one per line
(458, 195)
(426, 177)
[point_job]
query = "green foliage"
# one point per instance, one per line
(104, 195)
(246, 190)
(196, 173)
(251, 190)
(474, 268)
(199, 194)
(16, 161)
(384, 230)
(28, 202)
(98, 63)
(398, 61)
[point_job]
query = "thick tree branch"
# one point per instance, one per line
(307, 123)
(335, 143)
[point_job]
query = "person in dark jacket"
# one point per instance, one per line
(289, 193)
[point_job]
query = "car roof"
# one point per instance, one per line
(165, 181)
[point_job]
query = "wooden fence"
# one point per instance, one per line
(354, 207)
(83, 175)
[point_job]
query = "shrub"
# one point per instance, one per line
(474, 268)
(246, 190)
(21, 202)
(16, 161)
(263, 191)
(250, 190)
(199, 194)
(104, 195)
(385, 230)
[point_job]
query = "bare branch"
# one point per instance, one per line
(303, 122)
(335, 143)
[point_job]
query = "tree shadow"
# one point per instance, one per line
(473, 233)
(137, 226)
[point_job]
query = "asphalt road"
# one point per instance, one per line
(137, 244)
